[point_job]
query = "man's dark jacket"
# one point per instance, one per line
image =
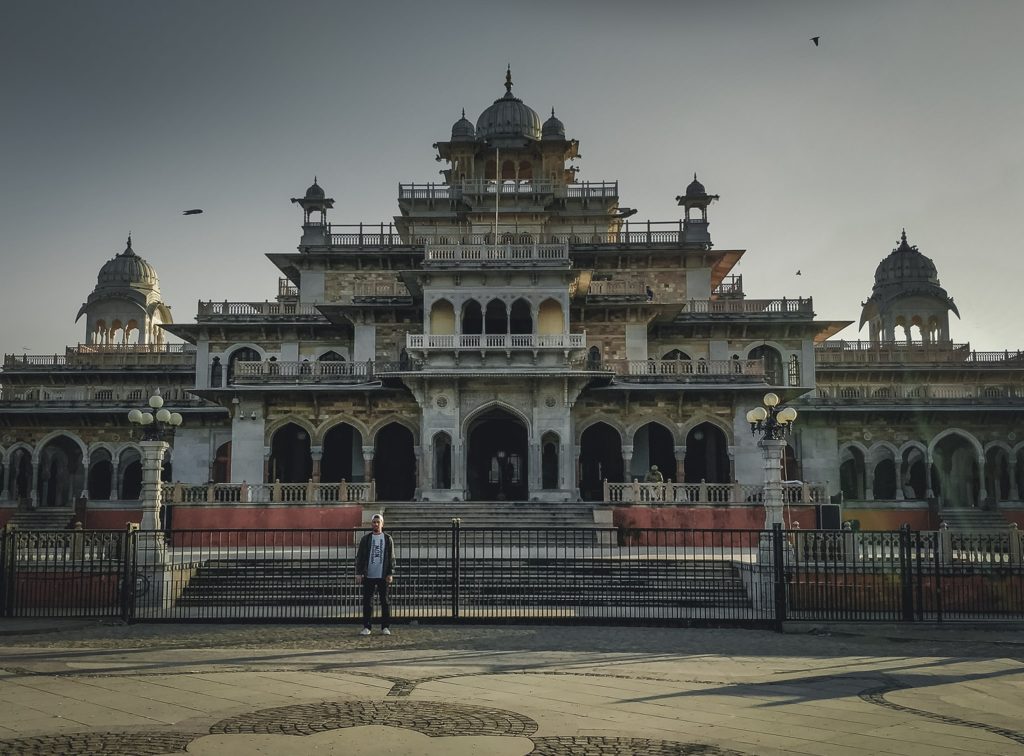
(363, 555)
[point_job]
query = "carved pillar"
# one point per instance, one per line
(627, 462)
(268, 474)
(418, 471)
(928, 492)
(680, 454)
(34, 488)
(368, 463)
(982, 491)
(899, 478)
(317, 454)
(773, 450)
(1014, 492)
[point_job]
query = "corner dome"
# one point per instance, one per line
(508, 116)
(553, 128)
(462, 130)
(315, 191)
(695, 189)
(906, 265)
(127, 270)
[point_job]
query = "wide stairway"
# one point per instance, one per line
(974, 520)
(486, 514)
(596, 585)
(43, 518)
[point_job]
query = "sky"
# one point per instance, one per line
(116, 116)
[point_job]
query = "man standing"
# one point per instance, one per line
(375, 563)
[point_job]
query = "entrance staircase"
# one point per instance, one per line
(43, 518)
(974, 520)
(487, 514)
(510, 588)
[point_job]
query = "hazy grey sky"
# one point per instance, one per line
(116, 116)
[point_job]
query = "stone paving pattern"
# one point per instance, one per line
(77, 687)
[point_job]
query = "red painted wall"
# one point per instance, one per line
(111, 519)
(703, 517)
(891, 519)
(281, 517)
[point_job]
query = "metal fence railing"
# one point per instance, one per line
(470, 574)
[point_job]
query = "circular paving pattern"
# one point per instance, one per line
(107, 743)
(598, 746)
(428, 717)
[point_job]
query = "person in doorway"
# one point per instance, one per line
(375, 565)
(654, 476)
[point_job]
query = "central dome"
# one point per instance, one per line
(127, 269)
(906, 264)
(508, 116)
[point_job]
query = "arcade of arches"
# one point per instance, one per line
(954, 469)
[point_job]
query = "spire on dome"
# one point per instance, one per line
(128, 250)
(508, 81)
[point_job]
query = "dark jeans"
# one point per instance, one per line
(380, 586)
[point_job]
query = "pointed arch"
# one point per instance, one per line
(319, 433)
(706, 417)
(608, 420)
(289, 419)
(492, 405)
(662, 420)
(379, 425)
(966, 435)
(41, 443)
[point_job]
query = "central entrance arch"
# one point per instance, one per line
(496, 465)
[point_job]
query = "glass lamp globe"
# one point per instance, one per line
(156, 401)
(147, 418)
(135, 416)
(758, 414)
(787, 415)
(770, 399)
(175, 419)
(163, 414)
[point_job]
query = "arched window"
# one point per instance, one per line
(290, 457)
(245, 354)
(520, 320)
(472, 317)
(216, 373)
(550, 318)
(496, 318)
(101, 476)
(794, 370)
(549, 461)
(772, 363)
(442, 461)
(221, 471)
(330, 356)
(442, 318)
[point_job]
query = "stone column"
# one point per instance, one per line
(899, 478)
(680, 454)
(773, 450)
(982, 491)
(317, 454)
(928, 492)
(1014, 492)
(627, 462)
(368, 463)
(534, 479)
(418, 471)
(34, 486)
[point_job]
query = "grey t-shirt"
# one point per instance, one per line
(375, 568)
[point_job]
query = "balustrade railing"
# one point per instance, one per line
(530, 187)
(869, 352)
(86, 355)
(268, 493)
(615, 288)
(388, 290)
(692, 371)
(55, 548)
(496, 253)
(305, 371)
(635, 492)
(496, 341)
(94, 394)
(783, 306)
(918, 392)
(246, 310)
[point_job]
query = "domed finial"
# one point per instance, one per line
(463, 112)
(128, 249)
(508, 79)
(903, 236)
(552, 112)
(129, 240)
(695, 175)
(314, 178)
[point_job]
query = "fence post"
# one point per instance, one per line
(7, 536)
(906, 583)
(778, 576)
(945, 544)
(129, 546)
(1015, 546)
(456, 526)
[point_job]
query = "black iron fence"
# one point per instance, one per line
(465, 574)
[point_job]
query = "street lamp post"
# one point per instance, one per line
(773, 423)
(157, 430)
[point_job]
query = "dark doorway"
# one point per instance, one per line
(600, 460)
(21, 475)
(100, 478)
(884, 485)
(221, 472)
(343, 455)
(394, 464)
(131, 481)
(61, 476)
(549, 462)
(496, 465)
(659, 444)
(442, 461)
(707, 455)
(290, 458)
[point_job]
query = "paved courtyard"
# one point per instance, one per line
(86, 687)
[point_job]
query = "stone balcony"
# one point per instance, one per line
(686, 371)
(496, 255)
(669, 493)
(842, 352)
(495, 342)
(258, 311)
(105, 356)
(285, 372)
(707, 309)
(473, 188)
(917, 393)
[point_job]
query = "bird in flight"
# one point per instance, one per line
(192, 212)
(798, 272)
(815, 40)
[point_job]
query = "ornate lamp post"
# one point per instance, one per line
(773, 423)
(157, 430)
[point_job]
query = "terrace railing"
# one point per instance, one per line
(869, 352)
(687, 371)
(495, 342)
(793, 492)
(921, 392)
(257, 311)
(494, 254)
(342, 492)
(802, 306)
(85, 356)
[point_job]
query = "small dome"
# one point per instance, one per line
(905, 265)
(127, 269)
(315, 191)
(553, 128)
(508, 117)
(695, 189)
(462, 130)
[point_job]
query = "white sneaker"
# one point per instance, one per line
(365, 631)
(386, 631)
